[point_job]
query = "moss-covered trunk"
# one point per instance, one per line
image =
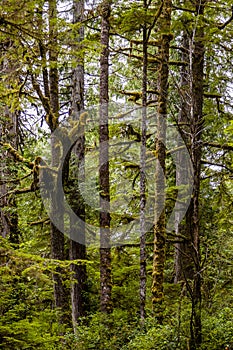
(9, 133)
(57, 237)
(143, 184)
(78, 250)
(184, 268)
(9, 227)
(159, 220)
(105, 250)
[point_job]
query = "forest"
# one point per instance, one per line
(116, 169)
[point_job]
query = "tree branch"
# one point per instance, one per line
(182, 9)
(212, 95)
(42, 221)
(17, 191)
(16, 155)
(225, 146)
(51, 119)
(222, 26)
(203, 161)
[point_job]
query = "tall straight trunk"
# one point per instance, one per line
(143, 180)
(8, 133)
(184, 269)
(78, 250)
(8, 216)
(57, 237)
(159, 220)
(104, 218)
(197, 55)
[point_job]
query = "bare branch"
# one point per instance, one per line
(223, 25)
(225, 146)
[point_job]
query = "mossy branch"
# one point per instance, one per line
(16, 155)
(156, 17)
(40, 222)
(212, 95)
(17, 191)
(136, 95)
(149, 43)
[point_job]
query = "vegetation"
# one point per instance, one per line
(116, 174)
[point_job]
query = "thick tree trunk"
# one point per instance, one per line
(105, 249)
(78, 250)
(159, 220)
(57, 237)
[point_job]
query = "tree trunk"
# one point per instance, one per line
(78, 250)
(159, 220)
(8, 133)
(105, 249)
(8, 218)
(143, 181)
(57, 237)
(197, 55)
(184, 269)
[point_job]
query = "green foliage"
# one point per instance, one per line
(160, 337)
(103, 332)
(218, 329)
(27, 317)
(27, 320)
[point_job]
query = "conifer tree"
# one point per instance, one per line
(105, 248)
(159, 220)
(77, 242)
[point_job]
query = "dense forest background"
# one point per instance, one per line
(116, 174)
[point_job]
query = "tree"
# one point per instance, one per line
(143, 177)
(8, 214)
(160, 223)
(185, 78)
(188, 258)
(77, 249)
(57, 237)
(196, 124)
(9, 132)
(105, 249)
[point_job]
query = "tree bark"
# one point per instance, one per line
(184, 268)
(8, 218)
(143, 180)
(159, 219)
(57, 237)
(9, 133)
(78, 250)
(104, 218)
(197, 55)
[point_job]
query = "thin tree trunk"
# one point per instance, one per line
(143, 181)
(105, 249)
(184, 268)
(9, 133)
(197, 55)
(78, 250)
(8, 218)
(159, 220)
